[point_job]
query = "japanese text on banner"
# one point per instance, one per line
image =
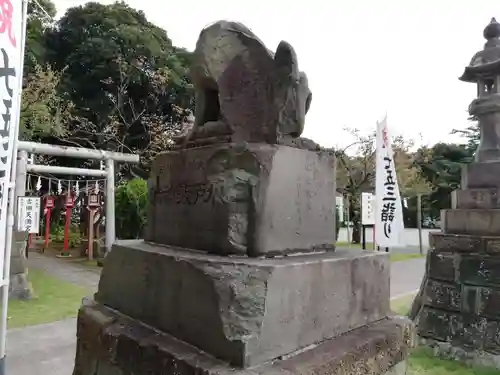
(10, 72)
(389, 225)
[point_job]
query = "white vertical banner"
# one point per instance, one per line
(389, 225)
(11, 48)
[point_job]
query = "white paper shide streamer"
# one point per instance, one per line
(389, 225)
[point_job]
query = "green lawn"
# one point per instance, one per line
(394, 257)
(54, 300)
(422, 362)
(398, 257)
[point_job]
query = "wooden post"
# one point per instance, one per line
(93, 204)
(419, 222)
(90, 232)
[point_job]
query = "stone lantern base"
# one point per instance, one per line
(458, 307)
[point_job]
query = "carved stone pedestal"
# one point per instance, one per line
(249, 199)
(157, 308)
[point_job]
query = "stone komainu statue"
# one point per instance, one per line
(244, 92)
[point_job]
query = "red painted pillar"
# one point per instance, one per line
(47, 228)
(66, 231)
(69, 205)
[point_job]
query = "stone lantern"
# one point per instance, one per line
(458, 307)
(484, 71)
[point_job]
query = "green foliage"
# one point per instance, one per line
(38, 23)
(44, 113)
(74, 235)
(131, 203)
(107, 78)
(441, 166)
(471, 134)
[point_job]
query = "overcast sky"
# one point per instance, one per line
(363, 57)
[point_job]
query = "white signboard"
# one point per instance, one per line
(367, 209)
(10, 75)
(28, 214)
(389, 225)
(339, 203)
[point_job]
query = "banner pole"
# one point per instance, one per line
(14, 135)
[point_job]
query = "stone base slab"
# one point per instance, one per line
(246, 310)
(464, 243)
(481, 175)
(482, 222)
(476, 198)
(110, 343)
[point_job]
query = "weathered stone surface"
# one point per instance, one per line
(471, 221)
(110, 343)
(470, 299)
(19, 286)
(477, 198)
(464, 330)
(399, 369)
(455, 242)
(441, 266)
(492, 338)
(480, 270)
(442, 295)
(464, 243)
(434, 324)
(244, 92)
(246, 310)
(248, 200)
(467, 330)
(489, 302)
(481, 175)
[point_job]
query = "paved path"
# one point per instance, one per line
(406, 276)
(49, 349)
(64, 270)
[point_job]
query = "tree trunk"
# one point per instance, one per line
(355, 214)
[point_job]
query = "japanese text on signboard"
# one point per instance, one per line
(28, 214)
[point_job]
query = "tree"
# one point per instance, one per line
(471, 134)
(356, 171)
(94, 40)
(38, 24)
(441, 166)
(44, 112)
(129, 84)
